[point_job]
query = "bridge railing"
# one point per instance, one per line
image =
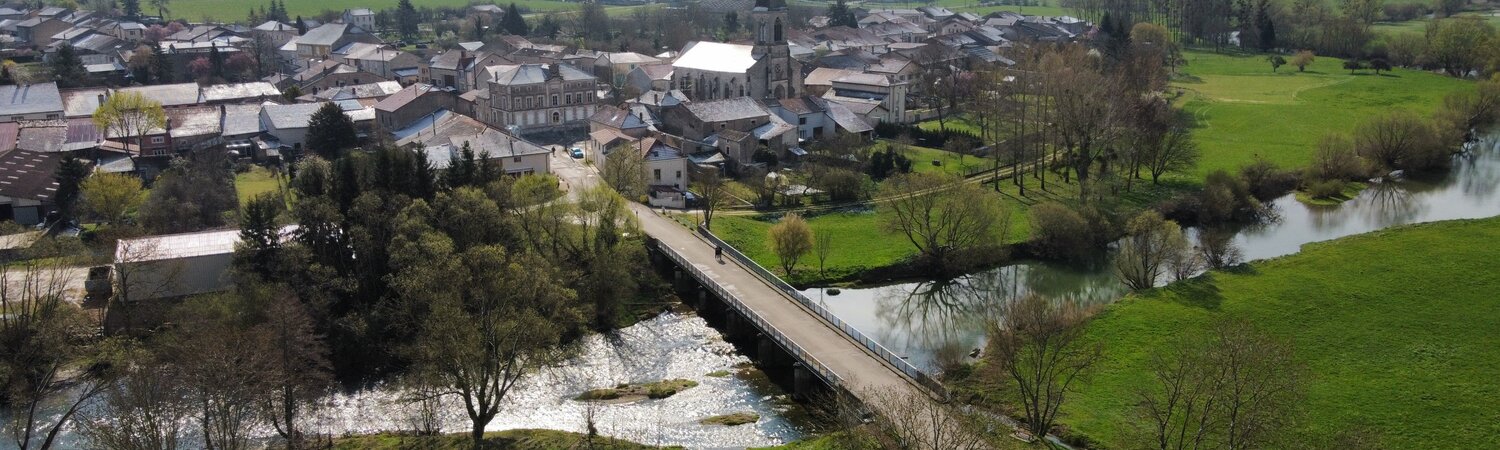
(895, 360)
(808, 360)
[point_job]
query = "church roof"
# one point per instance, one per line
(717, 57)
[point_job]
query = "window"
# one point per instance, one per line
(158, 139)
(554, 99)
(528, 102)
(679, 174)
(657, 174)
(801, 121)
(515, 159)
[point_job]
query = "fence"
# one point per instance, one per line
(895, 360)
(808, 360)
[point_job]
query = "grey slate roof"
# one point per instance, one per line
(30, 99)
(533, 73)
(238, 91)
(327, 34)
(240, 120)
(168, 94)
(291, 116)
(727, 109)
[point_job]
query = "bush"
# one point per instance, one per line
(1059, 232)
(1226, 198)
(1335, 160)
(1266, 181)
(1325, 189)
(1401, 140)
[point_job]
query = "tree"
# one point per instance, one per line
(1039, 346)
(593, 21)
(146, 409)
(70, 175)
(1380, 64)
(161, 66)
(330, 131)
(711, 194)
(1458, 44)
(1400, 140)
(260, 236)
(1445, 8)
(200, 67)
(731, 23)
(50, 363)
(225, 360)
(1086, 109)
(1353, 65)
(131, 8)
(298, 372)
(67, 67)
(1175, 151)
(1335, 160)
(1303, 59)
(129, 117)
(406, 19)
(1217, 248)
(1231, 387)
(195, 193)
(161, 7)
(301, 25)
(790, 239)
(1276, 61)
(499, 317)
(823, 248)
(840, 15)
(1059, 232)
(1148, 249)
(625, 170)
(513, 22)
(942, 216)
(111, 197)
(1363, 11)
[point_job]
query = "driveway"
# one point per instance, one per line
(574, 174)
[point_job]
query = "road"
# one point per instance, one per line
(67, 279)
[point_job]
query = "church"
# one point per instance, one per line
(763, 71)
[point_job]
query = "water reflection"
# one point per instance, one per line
(932, 322)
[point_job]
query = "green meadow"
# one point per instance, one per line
(233, 10)
(1397, 329)
(1245, 110)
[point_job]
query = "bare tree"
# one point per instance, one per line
(625, 170)
(140, 273)
(822, 247)
(1087, 109)
(914, 420)
(1040, 345)
(145, 409)
(225, 360)
(1217, 247)
(711, 194)
(48, 353)
(1233, 387)
(942, 216)
(298, 371)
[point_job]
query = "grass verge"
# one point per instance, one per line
(1397, 328)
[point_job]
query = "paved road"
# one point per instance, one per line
(68, 280)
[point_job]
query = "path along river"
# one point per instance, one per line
(933, 322)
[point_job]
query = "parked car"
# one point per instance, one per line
(577, 153)
(98, 286)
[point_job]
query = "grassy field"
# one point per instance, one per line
(1419, 26)
(858, 244)
(509, 439)
(1245, 110)
(1397, 329)
(254, 182)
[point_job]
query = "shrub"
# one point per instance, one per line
(1059, 232)
(1401, 140)
(1226, 198)
(1325, 189)
(1266, 181)
(1335, 160)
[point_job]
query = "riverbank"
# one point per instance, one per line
(508, 439)
(1396, 328)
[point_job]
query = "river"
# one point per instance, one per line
(670, 345)
(936, 322)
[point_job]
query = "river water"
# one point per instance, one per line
(935, 322)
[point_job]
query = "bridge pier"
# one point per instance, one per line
(804, 382)
(768, 354)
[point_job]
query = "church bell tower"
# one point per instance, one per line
(781, 75)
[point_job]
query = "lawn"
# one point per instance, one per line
(1397, 329)
(254, 182)
(1245, 110)
(955, 123)
(1419, 26)
(858, 243)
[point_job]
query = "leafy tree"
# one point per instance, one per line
(406, 19)
(1058, 231)
(625, 170)
(593, 21)
(1380, 64)
(1276, 61)
(1148, 249)
(1303, 59)
(111, 197)
(161, 65)
(731, 23)
(943, 217)
(1353, 65)
(147, 409)
(790, 239)
(330, 131)
(497, 317)
(547, 28)
(201, 68)
(1458, 45)
(70, 175)
(514, 23)
(291, 93)
(712, 194)
(129, 117)
(1040, 348)
(161, 7)
(195, 193)
(67, 67)
(839, 14)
